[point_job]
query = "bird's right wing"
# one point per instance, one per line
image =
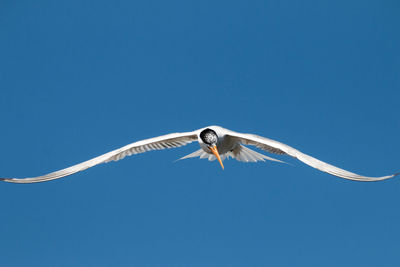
(276, 147)
(156, 143)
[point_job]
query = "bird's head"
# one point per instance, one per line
(210, 139)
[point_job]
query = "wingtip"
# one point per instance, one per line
(384, 177)
(6, 180)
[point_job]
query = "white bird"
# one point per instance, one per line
(215, 143)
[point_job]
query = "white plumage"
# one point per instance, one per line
(215, 143)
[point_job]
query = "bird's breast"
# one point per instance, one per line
(224, 145)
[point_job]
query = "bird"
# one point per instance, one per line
(216, 143)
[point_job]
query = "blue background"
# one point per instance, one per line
(80, 78)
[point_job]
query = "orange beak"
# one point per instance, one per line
(214, 150)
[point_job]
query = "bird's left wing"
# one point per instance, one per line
(156, 143)
(276, 147)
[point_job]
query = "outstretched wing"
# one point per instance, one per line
(156, 143)
(276, 147)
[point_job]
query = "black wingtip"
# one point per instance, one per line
(9, 180)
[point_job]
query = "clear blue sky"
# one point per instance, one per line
(80, 78)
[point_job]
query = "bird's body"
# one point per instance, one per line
(215, 143)
(227, 146)
(224, 144)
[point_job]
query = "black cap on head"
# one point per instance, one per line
(209, 137)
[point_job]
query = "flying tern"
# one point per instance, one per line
(215, 143)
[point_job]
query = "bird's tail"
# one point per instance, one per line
(202, 154)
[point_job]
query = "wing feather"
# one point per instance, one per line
(282, 149)
(157, 143)
(245, 154)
